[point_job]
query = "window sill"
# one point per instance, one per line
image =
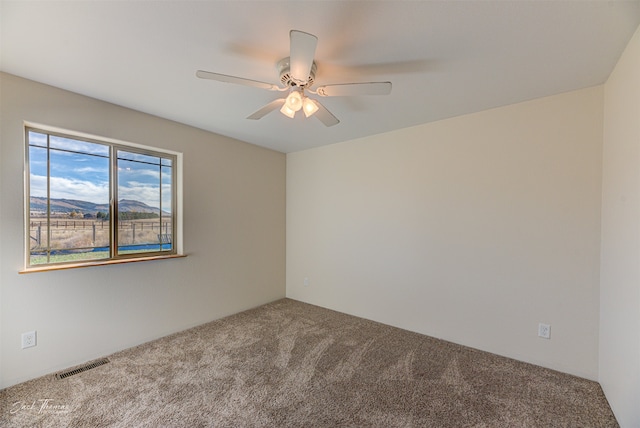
(98, 263)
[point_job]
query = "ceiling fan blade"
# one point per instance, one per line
(237, 80)
(350, 89)
(303, 49)
(325, 115)
(267, 109)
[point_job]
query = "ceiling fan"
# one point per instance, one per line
(297, 75)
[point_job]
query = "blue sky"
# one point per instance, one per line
(80, 170)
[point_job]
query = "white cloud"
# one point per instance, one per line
(155, 174)
(142, 193)
(65, 188)
(87, 169)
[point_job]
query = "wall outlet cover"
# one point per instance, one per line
(29, 339)
(544, 331)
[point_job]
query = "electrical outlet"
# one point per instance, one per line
(29, 339)
(306, 282)
(544, 331)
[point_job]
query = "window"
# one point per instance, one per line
(91, 200)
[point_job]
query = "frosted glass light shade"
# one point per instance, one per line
(287, 111)
(309, 106)
(294, 101)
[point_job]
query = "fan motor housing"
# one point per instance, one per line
(284, 68)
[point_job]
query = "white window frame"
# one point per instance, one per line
(114, 258)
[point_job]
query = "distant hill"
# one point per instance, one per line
(65, 206)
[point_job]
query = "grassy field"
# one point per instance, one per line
(72, 257)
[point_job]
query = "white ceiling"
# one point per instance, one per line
(444, 58)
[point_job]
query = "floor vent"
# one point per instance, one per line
(81, 369)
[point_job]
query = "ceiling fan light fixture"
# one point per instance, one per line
(297, 75)
(309, 106)
(287, 111)
(294, 100)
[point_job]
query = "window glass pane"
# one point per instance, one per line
(38, 225)
(166, 209)
(38, 177)
(81, 177)
(69, 144)
(154, 160)
(37, 139)
(139, 228)
(79, 206)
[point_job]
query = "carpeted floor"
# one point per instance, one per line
(289, 364)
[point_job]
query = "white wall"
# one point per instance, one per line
(234, 235)
(620, 266)
(472, 229)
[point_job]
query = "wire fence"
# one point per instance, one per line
(97, 232)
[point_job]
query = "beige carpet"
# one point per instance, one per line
(289, 364)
